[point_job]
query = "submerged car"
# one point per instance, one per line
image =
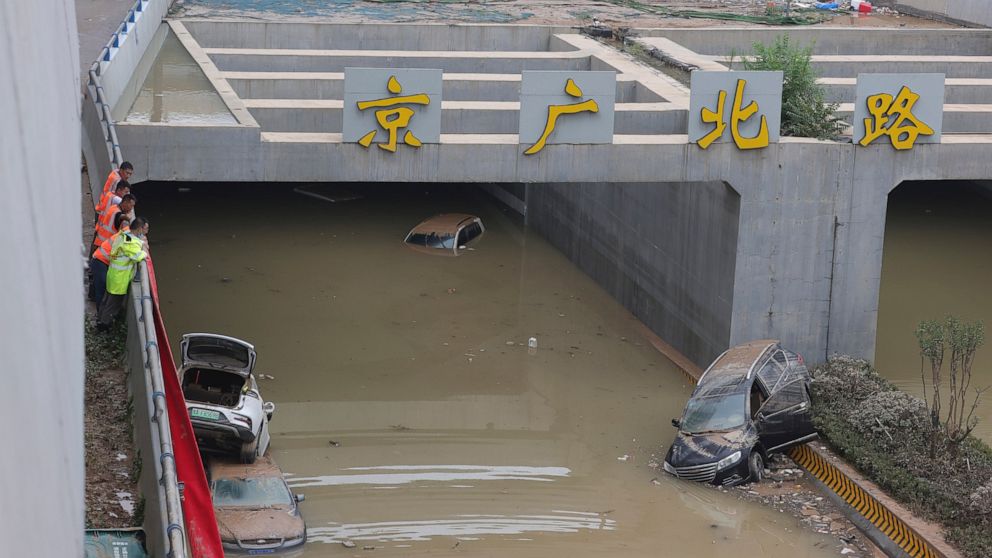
(446, 234)
(256, 511)
(753, 401)
(222, 397)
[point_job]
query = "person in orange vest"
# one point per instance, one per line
(123, 173)
(100, 260)
(113, 197)
(105, 224)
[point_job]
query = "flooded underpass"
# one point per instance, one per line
(936, 262)
(411, 411)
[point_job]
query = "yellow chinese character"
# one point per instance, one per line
(554, 111)
(711, 117)
(738, 114)
(392, 120)
(902, 134)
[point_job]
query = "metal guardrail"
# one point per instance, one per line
(173, 525)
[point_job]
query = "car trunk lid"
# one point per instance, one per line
(218, 351)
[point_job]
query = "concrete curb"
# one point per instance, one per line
(889, 525)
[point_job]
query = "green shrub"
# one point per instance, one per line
(883, 432)
(805, 111)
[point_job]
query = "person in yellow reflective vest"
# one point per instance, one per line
(127, 251)
(100, 260)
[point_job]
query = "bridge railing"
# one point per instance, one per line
(163, 518)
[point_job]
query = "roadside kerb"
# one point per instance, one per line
(890, 526)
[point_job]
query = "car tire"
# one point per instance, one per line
(756, 465)
(249, 451)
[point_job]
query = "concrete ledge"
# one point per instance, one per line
(230, 98)
(381, 36)
(956, 90)
(457, 117)
(848, 65)
(829, 39)
(234, 59)
(958, 118)
(457, 86)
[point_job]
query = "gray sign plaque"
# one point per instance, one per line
(392, 106)
(737, 119)
(566, 107)
(901, 109)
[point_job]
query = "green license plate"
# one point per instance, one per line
(204, 414)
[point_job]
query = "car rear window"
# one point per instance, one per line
(432, 240)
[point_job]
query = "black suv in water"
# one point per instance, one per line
(751, 402)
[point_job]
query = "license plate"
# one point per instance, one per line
(260, 552)
(204, 414)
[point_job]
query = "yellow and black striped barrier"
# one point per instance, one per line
(864, 503)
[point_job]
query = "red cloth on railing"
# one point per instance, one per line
(198, 509)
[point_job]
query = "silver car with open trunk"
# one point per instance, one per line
(225, 407)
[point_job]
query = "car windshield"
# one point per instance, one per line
(433, 240)
(705, 414)
(251, 493)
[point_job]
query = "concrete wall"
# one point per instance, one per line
(381, 36)
(974, 12)
(666, 251)
(116, 74)
(837, 40)
(41, 310)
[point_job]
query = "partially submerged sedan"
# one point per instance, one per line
(753, 401)
(225, 407)
(256, 512)
(447, 234)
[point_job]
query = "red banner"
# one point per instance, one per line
(198, 509)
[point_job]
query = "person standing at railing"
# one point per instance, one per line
(105, 224)
(113, 197)
(100, 260)
(123, 173)
(124, 256)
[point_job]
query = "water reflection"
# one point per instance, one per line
(403, 474)
(177, 91)
(464, 527)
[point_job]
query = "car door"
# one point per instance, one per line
(784, 419)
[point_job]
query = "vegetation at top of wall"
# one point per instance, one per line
(805, 112)
(886, 434)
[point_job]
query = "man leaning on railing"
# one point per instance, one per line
(128, 250)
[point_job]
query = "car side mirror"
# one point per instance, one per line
(300, 497)
(676, 423)
(269, 408)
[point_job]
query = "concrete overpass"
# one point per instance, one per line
(706, 247)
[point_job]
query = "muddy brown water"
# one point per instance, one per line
(936, 261)
(411, 412)
(176, 91)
